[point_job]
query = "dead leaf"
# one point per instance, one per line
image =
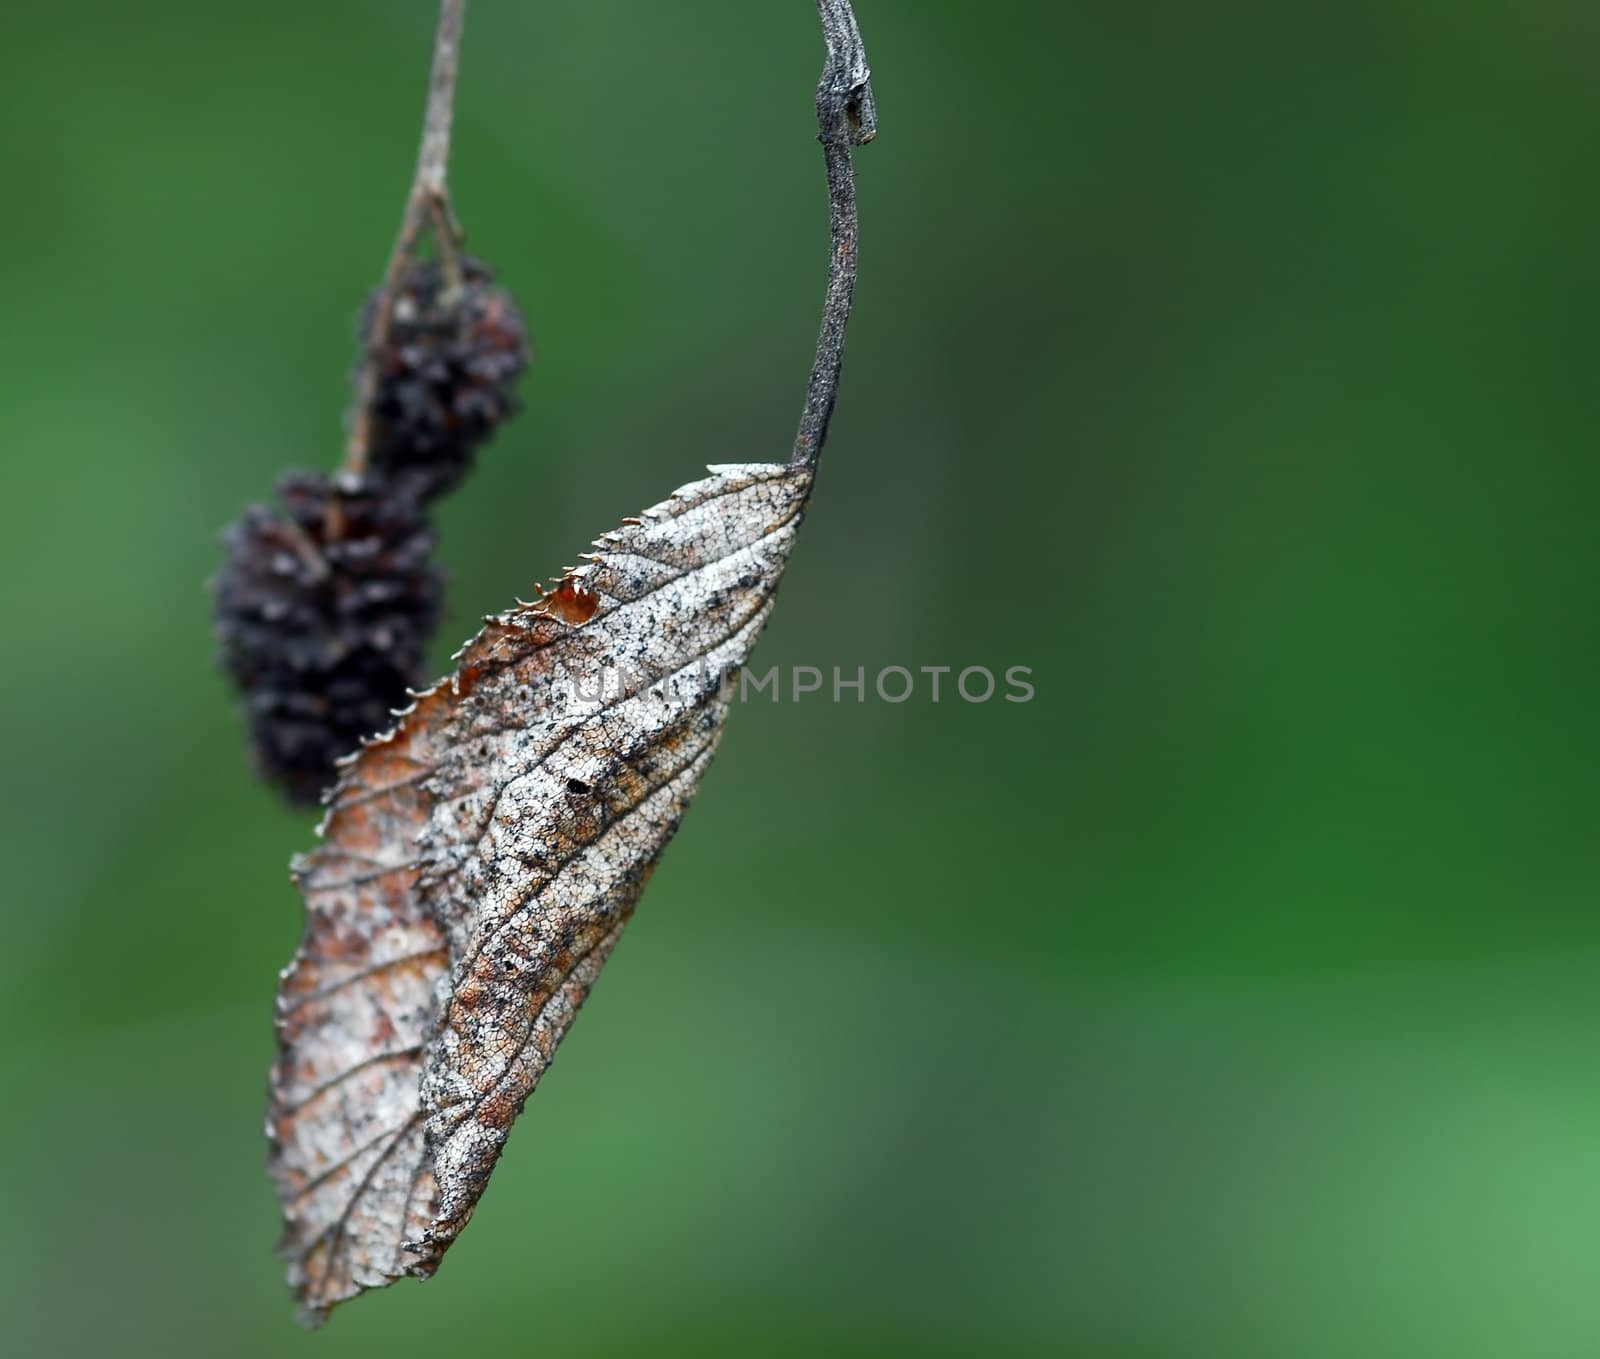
(479, 863)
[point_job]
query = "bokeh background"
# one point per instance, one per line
(1231, 365)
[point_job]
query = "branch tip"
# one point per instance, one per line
(846, 84)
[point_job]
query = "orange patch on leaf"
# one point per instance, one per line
(570, 602)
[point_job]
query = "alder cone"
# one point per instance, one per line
(446, 372)
(323, 614)
(478, 864)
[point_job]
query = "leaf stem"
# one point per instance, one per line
(846, 117)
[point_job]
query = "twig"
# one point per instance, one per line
(428, 204)
(845, 118)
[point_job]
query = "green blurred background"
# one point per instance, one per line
(1232, 365)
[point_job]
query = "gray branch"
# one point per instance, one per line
(845, 118)
(428, 204)
(433, 157)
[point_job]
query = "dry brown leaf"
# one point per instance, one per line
(479, 863)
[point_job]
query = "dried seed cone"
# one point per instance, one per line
(323, 614)
(445, 375)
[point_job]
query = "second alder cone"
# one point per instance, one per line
(445, 375)
(323, 612)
